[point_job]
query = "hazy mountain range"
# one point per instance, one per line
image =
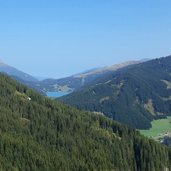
(63, 84)
(16, 73)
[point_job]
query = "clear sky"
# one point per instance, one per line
(56, 38)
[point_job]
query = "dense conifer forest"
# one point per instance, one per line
(134, 95)
(37, 133)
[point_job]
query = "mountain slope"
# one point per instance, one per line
(79, 80)
(37, 133)
(16, 73)
(134, 95)
(67, 84)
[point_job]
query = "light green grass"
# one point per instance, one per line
(158, 127)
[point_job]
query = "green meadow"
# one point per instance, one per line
(158, 127)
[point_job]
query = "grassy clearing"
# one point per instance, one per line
(158, 127)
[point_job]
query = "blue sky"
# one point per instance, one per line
(57, 38)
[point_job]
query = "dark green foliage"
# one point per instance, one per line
(37, 133)
(123, 95)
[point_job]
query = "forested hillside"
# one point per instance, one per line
(37, 133)
(134, 95)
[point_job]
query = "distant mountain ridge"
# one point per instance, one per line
(77, 81)
(16, 73)
(67, 84)
(106, 69)
(132, 95)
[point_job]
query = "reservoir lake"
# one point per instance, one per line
(57, 94)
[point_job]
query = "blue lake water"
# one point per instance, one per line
(57, 94)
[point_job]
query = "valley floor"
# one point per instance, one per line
(160, 130)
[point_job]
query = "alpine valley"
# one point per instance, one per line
(37, 133)
(66, 85)
(134, 95)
